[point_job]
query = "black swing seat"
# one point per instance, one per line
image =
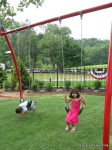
(67, 109)
(80, 110)
(29, 103)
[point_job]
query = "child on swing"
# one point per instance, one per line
(72, 116)
(24, 107)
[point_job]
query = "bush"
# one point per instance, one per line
(6, 85)
(49, 87)
(3, 77)
(34, 86)
(25, 76)
(67, 85)
(80, 87)
(97, 85)
(17, 87)
(41, 84)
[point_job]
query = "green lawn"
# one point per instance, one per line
(75, 79)
(53, 76)
(43, 129)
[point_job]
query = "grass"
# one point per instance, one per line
(76, 83)
(43, 129)
(68, 77)
(94, 66)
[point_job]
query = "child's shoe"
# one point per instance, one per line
(67, 128)
(73, 129)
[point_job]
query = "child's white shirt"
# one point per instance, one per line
(24, 105)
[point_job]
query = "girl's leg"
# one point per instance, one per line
(67, 127)
(73, 128)
(68, 124)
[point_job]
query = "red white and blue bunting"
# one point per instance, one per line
(99, 74)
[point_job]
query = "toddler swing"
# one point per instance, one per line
(29, 61)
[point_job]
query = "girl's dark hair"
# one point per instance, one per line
(74, 91)
(18, 110)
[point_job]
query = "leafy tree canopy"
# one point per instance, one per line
(7, 11)
(57, 45)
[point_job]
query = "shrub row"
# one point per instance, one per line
(41, 85)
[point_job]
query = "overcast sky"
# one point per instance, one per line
(95, 24)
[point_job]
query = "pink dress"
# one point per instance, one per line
(72, 116)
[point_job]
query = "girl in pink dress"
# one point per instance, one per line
(72, 116)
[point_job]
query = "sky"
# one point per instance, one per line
(94, 25)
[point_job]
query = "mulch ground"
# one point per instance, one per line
(12, 95)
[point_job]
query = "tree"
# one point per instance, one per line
(3, 49)
(72, 53)
(25, 77)
(50, 44)
(57, 44)
(7, 11)
(25, 44)
(95, 51)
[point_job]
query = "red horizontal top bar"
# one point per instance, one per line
(61, 17)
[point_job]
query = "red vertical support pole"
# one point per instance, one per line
(16, 66)
(108, 96)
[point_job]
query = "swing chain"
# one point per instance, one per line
(81, 17)
(81, 14)
(59, 18)
(62, 52)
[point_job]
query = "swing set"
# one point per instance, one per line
(107, 106)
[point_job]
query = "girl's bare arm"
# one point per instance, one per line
(67, 101)
(82, 99)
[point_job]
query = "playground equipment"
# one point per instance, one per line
(106, 129)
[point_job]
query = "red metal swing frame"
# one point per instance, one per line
(107, 106)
